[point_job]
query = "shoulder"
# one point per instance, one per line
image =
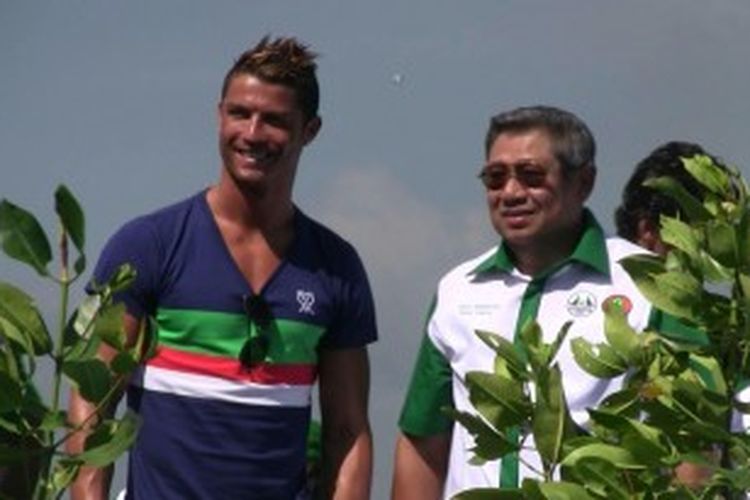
(326, 245)
(463, 272)
(618, 248)
(157, 223)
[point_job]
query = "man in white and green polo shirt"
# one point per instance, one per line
(554, 264)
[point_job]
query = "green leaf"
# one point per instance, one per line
(86, 314)
(18, 308)
(12, 333)
(22, 237)
(500, 400)
(679, 235)
(124, 363)
(619, 456)
(559, 339)
(91, 377)
(712, 177)
(600, 477)
(71, 216)
(490, 444)
(11, 393)
(647, 443)
(692, 207)
(743, 237)
(11, 454)
(721, 242)
(53, 420)
(539, 353)
(506, 351)
(110, 441)
(621, 335)
(64, 473)
(490, 494)
(551, 423)
(599, 360)
(674, 292)
(564, 491)
(109, 325)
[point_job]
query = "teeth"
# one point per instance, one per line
(257, 155)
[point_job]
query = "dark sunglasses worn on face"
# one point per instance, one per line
(259, 317)
(529, 175)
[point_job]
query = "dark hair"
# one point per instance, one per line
(573, 142)
(640, 202)
(284, 61)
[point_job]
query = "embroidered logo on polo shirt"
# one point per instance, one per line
(306, 299)
(619, 301)
(581, 304)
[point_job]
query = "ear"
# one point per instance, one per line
(647, 236)
(586, 181)
(218, 111)
(312, 127)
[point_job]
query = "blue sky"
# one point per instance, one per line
(117, 100)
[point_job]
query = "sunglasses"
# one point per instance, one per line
(255, 348)
(530, 176)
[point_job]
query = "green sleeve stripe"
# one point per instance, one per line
(429, 391)
(224, 334)
(674, 329)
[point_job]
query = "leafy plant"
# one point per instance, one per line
(678, 399)
(33, 429)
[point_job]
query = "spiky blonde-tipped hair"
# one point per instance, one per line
(285, 61)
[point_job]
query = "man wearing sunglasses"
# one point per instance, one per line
(252, 302)
(553, 265)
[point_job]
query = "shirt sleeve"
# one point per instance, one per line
(355, 325)
(676, 330)
(135, 244)
(429, 391)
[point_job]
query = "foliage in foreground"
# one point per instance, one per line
(677, 401)
(33, 428)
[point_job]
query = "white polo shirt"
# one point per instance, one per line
(487, 293)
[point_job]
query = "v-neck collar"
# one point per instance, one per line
(219, 239)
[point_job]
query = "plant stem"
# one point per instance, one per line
(64, 283)
(62, 320)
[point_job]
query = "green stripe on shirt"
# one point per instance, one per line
(224, 334)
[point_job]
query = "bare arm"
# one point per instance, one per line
(347, 440)
(420, 467)
(93, 483)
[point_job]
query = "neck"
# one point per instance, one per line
(263, 212)
(533, 260)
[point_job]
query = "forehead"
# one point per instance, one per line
(245, 88)
(514, 146)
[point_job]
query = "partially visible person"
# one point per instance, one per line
(553, 264)
(253, 302)
(638, 220)
(637, 217)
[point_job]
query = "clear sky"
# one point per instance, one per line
(117, 100)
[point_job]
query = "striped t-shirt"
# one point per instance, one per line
(213, 426)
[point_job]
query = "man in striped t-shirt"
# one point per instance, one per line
(252, 302)
(554, 264)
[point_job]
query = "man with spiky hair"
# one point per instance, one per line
(251, 302)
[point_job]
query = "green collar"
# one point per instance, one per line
(590, 251)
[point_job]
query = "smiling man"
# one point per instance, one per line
(554, 264)
(252, 302)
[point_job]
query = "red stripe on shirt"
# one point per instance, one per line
(232, 369)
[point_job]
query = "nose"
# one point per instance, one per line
(254, 131)
(513, 188)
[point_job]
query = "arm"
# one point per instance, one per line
(420, 466)
(93, 483)
(347, 440)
